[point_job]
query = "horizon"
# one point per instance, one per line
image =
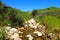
(29, 5)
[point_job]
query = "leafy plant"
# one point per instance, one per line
(3, 34)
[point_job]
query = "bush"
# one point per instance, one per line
(3, 34)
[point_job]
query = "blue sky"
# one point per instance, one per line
(29, 5)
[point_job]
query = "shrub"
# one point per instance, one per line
(3, 34)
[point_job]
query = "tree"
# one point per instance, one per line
(34, 13)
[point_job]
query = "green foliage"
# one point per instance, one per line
(15, 17)
(34, 13)
(49, 16)
(3, 34)
(52, 23)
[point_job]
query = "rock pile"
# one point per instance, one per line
(31, 31)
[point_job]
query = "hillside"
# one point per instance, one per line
(50, 16)
(15, 17)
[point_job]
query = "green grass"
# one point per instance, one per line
(52, 22)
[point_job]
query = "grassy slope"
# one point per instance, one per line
(50, 16)
(52, 22)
